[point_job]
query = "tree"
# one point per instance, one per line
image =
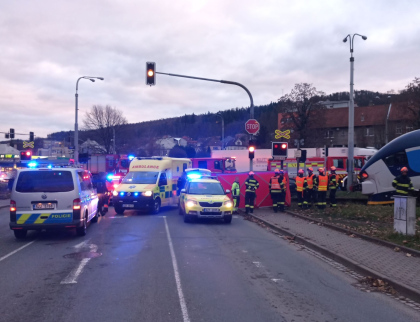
(103, 121)
(177, 152)
(410, 97)
(302, 107)
(191, 153)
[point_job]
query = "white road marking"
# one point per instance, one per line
(236, 217)
(177, 278)
(74, 274)
(275, 280)
(15, 251)
(258, 264)
(244, 251)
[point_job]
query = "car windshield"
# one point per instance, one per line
(205, 188)
(45, 181)
(145, 177)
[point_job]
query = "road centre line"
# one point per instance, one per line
(15, 251)
(177, 277)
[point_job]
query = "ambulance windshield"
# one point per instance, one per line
(140, 177)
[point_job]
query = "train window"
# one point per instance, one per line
(396, 160)
(338, 163)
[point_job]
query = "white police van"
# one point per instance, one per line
(52, 198)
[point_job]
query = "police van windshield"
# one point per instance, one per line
(205, 188)
(140, 177)
(45, 181)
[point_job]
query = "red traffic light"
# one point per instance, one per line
(251, 148)
(284, 146)
(28, 153)
(276, 146)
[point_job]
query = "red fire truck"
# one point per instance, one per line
(215, 165)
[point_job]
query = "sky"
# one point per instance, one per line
(268, 46)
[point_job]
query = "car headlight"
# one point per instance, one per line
(228, 204)
(115, 193)
(147, 193)
(191, 203)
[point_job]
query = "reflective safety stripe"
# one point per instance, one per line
(402, 192)
(299, 184)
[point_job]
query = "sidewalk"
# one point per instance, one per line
(395, 267)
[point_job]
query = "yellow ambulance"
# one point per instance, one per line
(150, 184)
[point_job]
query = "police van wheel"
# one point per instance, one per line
(227, 219)
(81, 231)
(156, 206)
(20, 234)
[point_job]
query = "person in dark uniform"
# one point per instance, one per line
(402, 183)
(333, 185)
(181, 182)
(251, 185)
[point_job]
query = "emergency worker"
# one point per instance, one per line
(321, 183)
(181, 182)
(301, 186)
(277, 190)
(402, 183)
(333, 185)
(236, 194)
(310, 192)
(251, 185)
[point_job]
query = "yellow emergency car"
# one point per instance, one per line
(150, 184)
(204, 197)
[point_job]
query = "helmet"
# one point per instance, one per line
(277, 171)
(321, 170)
(333, 168)
(251, 173)
(311, 169)
(301, 171)
(404, 169)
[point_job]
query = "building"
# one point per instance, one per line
(165, 144)
(374, 126)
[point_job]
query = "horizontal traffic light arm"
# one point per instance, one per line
(217, 81)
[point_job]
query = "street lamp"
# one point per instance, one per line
(76, 125)
(350, 159)
(223, 128)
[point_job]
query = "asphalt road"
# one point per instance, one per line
(141, 267)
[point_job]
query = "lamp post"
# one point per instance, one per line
(76, 125)
(350, 158)
(223, 129)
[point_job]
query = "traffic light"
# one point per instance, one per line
(303, 156)
(324, 152)
(279, 149)
(12, 133)
(251, 149)
(25, 155)
(83, 157)
(150, 73)
(31, 136)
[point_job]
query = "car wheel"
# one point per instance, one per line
(227, 219)
(81, 231)
(20, 234)
(119, 210)
(156, 206)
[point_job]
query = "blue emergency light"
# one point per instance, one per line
(110, 177)
(194, 176)
(32, 164)
(136, 194)
(131, 157)
(50, 166)
(122, 193)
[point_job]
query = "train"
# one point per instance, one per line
(379, 171)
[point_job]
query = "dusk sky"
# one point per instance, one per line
(268, 46)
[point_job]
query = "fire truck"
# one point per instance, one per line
(216, 165)
(340, 162)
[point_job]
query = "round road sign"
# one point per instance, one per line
(252, 126)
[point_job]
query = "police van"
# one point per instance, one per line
(150, 184)
(52, 198)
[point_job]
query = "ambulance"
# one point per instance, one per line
(150, 184)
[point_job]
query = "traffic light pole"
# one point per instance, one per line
(223, 82)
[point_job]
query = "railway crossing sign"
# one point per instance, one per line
(252, 126)
(27, 144)
(282, 134)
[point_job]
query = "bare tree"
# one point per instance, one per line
(411, 96)
(302, 107)
(103, 121)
